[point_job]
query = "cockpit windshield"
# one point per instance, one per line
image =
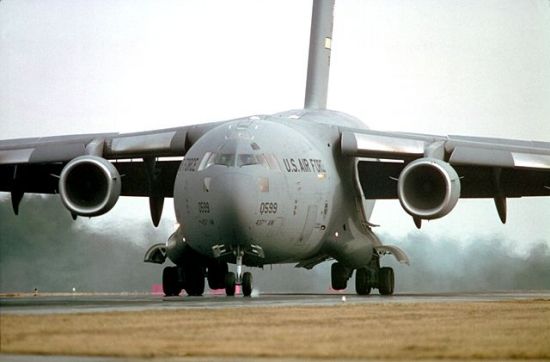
(224, 159)
(268, 161)
(247, 159)
(213, 158)
(236, 153)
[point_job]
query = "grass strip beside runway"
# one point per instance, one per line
(471, 330)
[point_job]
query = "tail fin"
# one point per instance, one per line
(319, 54)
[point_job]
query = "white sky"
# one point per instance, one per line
(444, 67)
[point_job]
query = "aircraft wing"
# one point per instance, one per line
(486, 167)
(34, 164)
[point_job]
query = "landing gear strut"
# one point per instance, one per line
(242, 279)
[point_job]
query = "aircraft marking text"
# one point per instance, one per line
(268, 208)
(303, 165)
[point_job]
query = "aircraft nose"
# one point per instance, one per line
(236, 198)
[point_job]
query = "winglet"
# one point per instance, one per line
(320, 43)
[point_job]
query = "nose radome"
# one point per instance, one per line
(235, 203)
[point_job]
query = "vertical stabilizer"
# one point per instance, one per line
(319, 54)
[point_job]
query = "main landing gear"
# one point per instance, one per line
(171, 281)
(242, 279)
(191, 277)
(372, 276)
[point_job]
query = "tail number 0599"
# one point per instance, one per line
(268, 208)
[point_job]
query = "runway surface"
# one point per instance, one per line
(93, 303)
(451, 309)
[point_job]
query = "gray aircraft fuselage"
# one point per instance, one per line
(276, 187)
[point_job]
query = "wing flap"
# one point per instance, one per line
(55, 151)
(47, 149)
(158, 143)
(498, 152)
(523, 166)
(33, 165)
(22, 155)
(481, 157)
(457, 150)
(474, 156)
(379, 145)
(167, 143)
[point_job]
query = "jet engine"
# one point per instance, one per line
(428, 188)
(89, 186)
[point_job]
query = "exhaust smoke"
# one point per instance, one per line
(44, 249)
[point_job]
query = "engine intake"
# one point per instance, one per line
(89, 186)
(428, 188)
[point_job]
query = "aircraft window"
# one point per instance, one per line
(262, 161)
(266, 160)
(207, 160)
(272, 162)
(226, 159)
(212, 158)
(246, 159)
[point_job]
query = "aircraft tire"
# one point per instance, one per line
(247, 284)
(230, 281)
(362, 286)
(339, 276)
(194, 277)
(216, 275)
(386, 281)
(170, 284)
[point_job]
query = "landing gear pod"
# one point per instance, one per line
(89, 186)
(428, 188)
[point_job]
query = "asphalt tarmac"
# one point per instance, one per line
(96, 303)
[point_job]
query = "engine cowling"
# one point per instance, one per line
(428, 188)
(89, 186)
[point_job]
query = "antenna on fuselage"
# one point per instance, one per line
(320, 43)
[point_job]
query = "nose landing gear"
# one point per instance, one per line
(246, 284)
(242, 279)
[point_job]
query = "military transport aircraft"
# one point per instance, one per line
(293, 187)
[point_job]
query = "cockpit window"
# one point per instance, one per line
(207, 161)
(225, 159)
(271, 161)
(212, 158)
(266, 160)
(246, 159)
